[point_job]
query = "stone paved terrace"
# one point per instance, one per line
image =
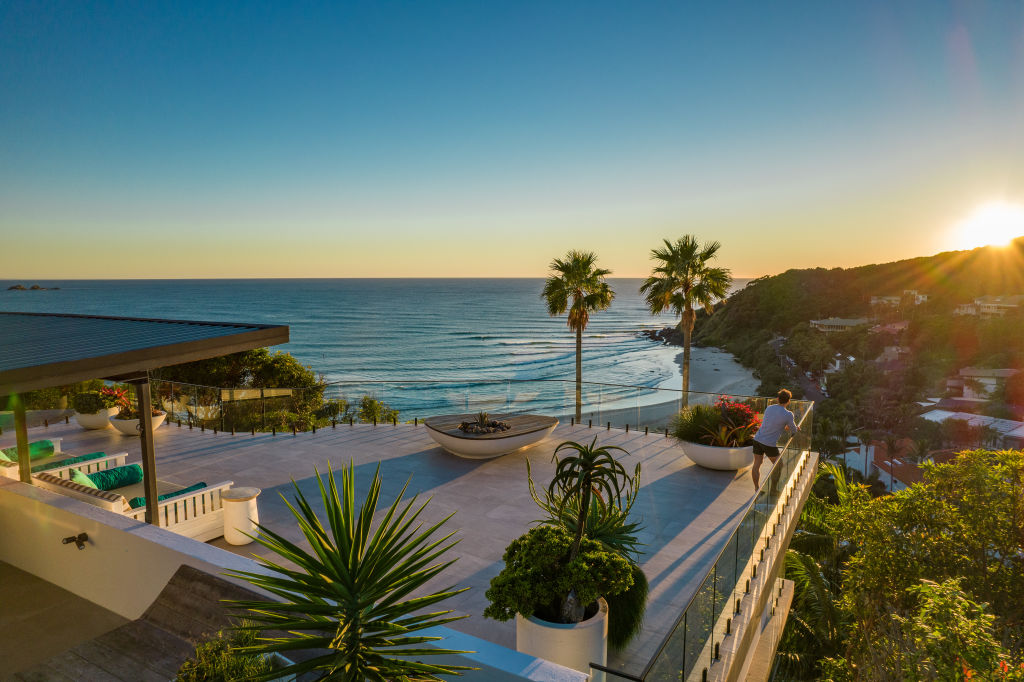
(689, 512)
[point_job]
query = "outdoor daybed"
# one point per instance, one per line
(194, 513)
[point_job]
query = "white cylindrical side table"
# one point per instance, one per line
(240, 514)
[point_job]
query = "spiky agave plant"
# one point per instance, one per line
(350, 595)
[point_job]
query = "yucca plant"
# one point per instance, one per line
(350, 595)
(482, 418)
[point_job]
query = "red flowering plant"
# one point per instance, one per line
(728, 423)
(115, 397)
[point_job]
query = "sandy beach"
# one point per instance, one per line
(712, 371)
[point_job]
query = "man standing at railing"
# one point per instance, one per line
(776, 420)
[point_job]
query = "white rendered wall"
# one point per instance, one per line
(126, 564)
(123, 567)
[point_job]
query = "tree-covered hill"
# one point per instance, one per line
(777, 303)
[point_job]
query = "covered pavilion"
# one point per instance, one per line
(43, 350)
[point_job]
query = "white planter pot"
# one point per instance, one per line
(488, 448)
(100, 420)
(719, 459)
(130, 427)
(575, 645)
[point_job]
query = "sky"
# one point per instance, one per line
(472, 139)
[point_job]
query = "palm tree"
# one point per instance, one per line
(683, 280)
(577, 284)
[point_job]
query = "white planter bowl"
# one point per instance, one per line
(719, 459)
(130, 427)
(100, 420)
(575, 645)
(481, 448)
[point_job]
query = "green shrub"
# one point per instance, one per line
(626, 610)
(538, 574)
(217, 660)
(693, 423)
(88, 403)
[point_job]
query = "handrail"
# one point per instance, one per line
(471, 382)
(753, 502)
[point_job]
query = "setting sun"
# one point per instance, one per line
(996, 223)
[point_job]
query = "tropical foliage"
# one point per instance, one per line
(349, 598)
(610, 525)
(926, 583)
(727, 423)
(541, 568)
(558, 569)
(576, 284)
(682, 281)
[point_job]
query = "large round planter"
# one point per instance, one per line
(99, 420)
(527, 430)
(575, 645)
(717, 458)
(130, 427)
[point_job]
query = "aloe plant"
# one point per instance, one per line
(590, 471)
(350, 595)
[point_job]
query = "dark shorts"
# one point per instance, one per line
(769, 451)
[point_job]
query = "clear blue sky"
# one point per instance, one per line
(475, 138)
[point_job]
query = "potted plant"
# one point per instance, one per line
(128, 421)
(350, 599)
(556, 577)
(718, 436)
(94, 409)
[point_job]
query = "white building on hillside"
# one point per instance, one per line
(979, 383)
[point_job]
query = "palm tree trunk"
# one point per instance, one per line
(579, 375)
(687, 333)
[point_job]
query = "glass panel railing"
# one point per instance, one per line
(691, 645)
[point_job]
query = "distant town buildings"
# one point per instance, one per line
(837, 324)
(990, 306)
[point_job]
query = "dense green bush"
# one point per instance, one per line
(88, 403)
(538, 574)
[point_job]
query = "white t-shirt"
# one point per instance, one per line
(776, 419)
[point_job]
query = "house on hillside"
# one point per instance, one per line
(990, 306)
(977, 384)
(1010, 432)
(839, 362)
(893, 328)
(909, 297)
(837, 324)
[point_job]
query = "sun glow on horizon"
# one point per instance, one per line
(995, 223)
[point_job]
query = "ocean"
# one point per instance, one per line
(457, 331)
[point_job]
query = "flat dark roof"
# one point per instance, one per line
(40, 350)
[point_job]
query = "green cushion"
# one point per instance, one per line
(5, 458)
(78, 477)
(109, 479)
(40, 449)
(137, 502)
(69, 460)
